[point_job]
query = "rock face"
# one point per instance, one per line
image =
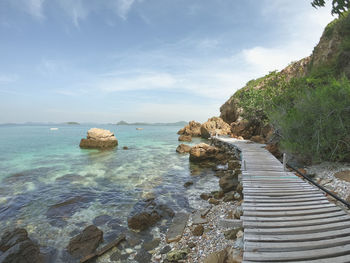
(99, 139)
(185, 138)
(147, 213)
(183, 148)
(17, 247)
(203, 151)
(214, 126)
(86, 242)
(229, 183)
(193, 129)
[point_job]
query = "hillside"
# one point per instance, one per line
(305, 108)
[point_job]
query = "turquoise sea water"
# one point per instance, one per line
(40, 168)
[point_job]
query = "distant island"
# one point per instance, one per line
(179, 123)
(72, 123)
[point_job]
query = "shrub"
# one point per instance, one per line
(314, 119)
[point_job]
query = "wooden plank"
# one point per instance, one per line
(298, 230)
(291, 213)
(336, 259)
(320, 195)
(311, 254)
(305, 218)
(290, 201)
(295, 246)
(297, 238)
(259, 224)
(270, 204)
(285, 208)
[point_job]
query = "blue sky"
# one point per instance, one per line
(143, 60)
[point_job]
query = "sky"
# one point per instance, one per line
(143, 60)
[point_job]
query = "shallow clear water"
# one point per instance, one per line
(40, 168)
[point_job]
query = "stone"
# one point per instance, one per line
(218, 194)
(203, 151)
(204, 196)
(147, 213)
(116, 255)
(86, 242)
(238, 212)
(177, 227)
(193, 129)
(101, 220)
(237, 196)
(188, 184)
(343, 175)
(151, 244)
(231, 234)
(176, 255)
(183, 148)
(229, 196)
(228, 255)
(185, 138)
(234, 165)
(191, 245)
(273, 148)
(143, 256)
(228, 183)
(230, 223)
(198, 230)
(165, 250)
(16, 246)
(215, 126)
(197, 218)
(99, 139)
(11, 238)
(213, 201)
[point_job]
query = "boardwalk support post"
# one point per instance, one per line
(244, 166)
(284, 161)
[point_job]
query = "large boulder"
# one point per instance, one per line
(86, 242)
(16, 246)
(192, 128)
(147, 213)
(229, 182)
(215, 125)
(99, 139)
(202, 152)
(183, 148)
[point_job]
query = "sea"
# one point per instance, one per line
(54, 189)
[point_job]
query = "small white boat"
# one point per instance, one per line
(53, 129)
(139, 129)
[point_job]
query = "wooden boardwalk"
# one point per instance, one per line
(286, 219)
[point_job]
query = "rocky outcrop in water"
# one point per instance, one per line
(147, 213)
(202, 152)
(183, 148)
(193, 129)
(215, 126)
(86, 242)
(185, 138)
(99, 139)
(16, 246)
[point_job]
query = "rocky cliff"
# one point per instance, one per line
(332, 54)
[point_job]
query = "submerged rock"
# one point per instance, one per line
(193, 129)
(86, 242)
(185, 138)
(183, 148)
(176, 255)
(18, 247)
(99, 138)
(177, 227)
(203, 151)
(148, 213)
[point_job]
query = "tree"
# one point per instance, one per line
(338, 6)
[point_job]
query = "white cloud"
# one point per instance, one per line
(123, 7)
